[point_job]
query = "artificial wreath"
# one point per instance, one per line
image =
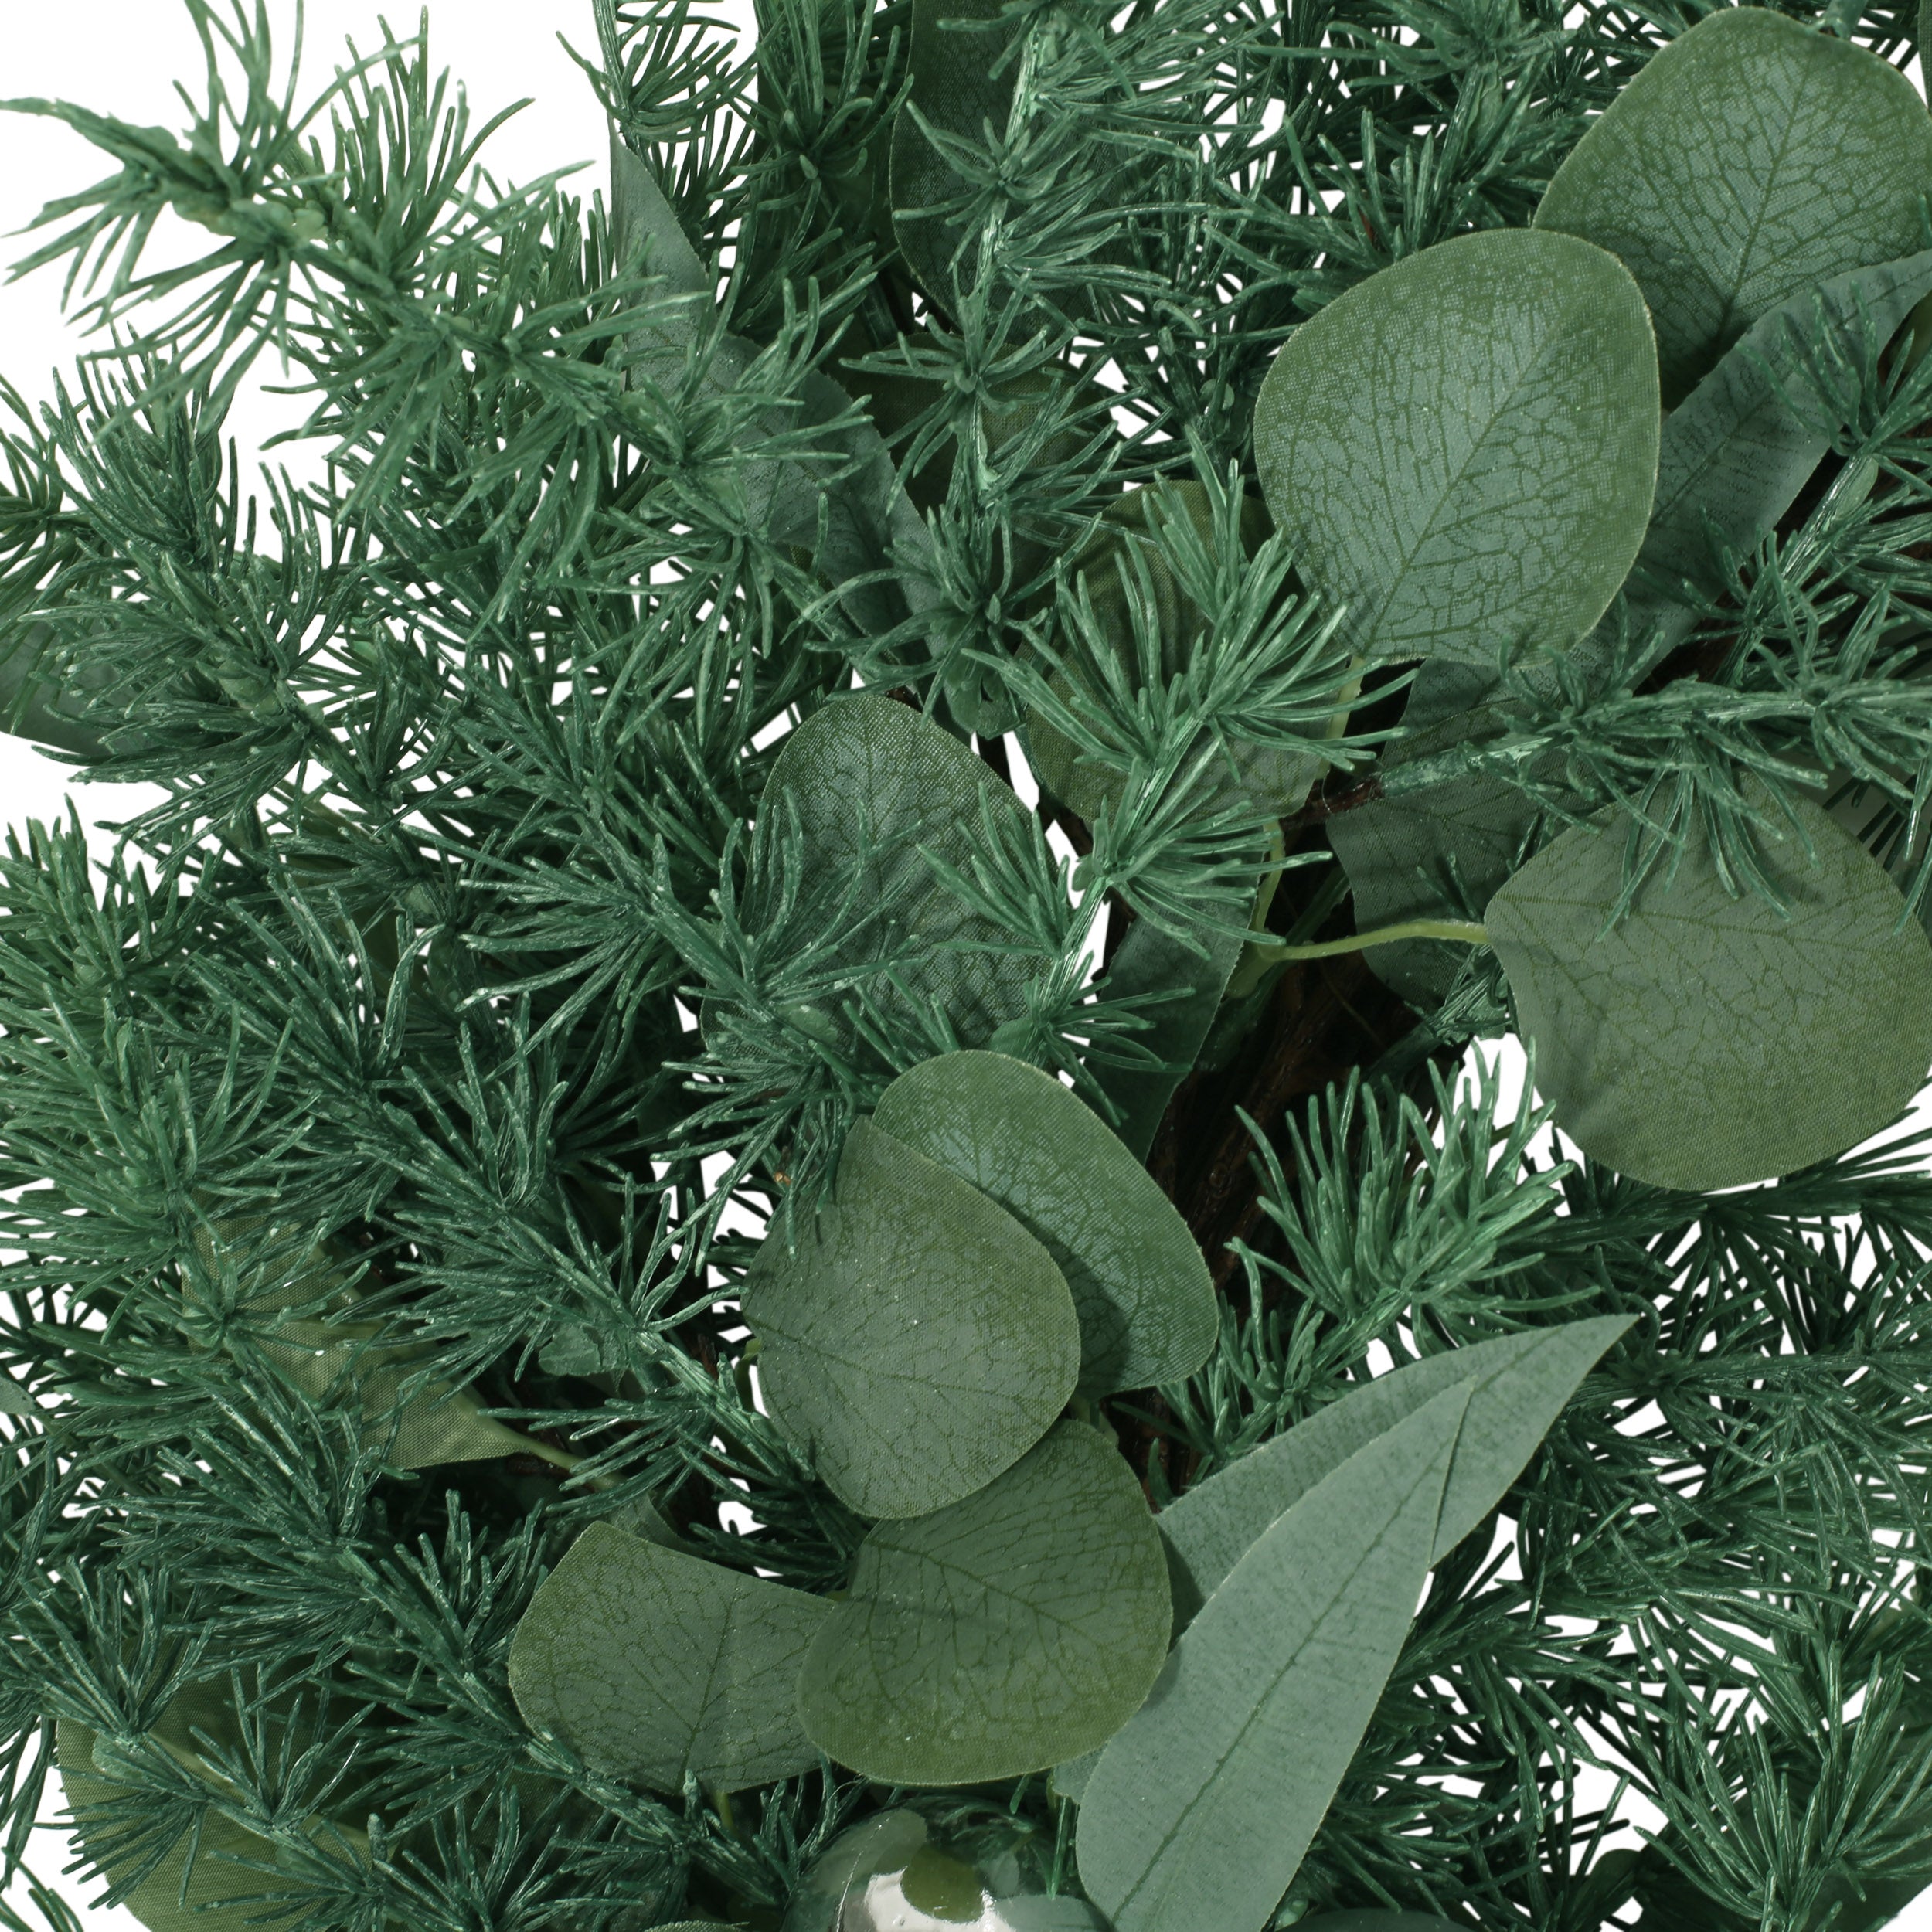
(764, 1204)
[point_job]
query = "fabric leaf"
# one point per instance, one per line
(1141, 1289)
(871, 525)
(1709, 1040)
(1517, 1385)
(1749, 438)
(650, 1664)
(1463, 448)
(990, 1638)
(1150, 961)
(1752, 157)
(434, 1424)
(871, 781)
(1199, 1813)
(918, 1341)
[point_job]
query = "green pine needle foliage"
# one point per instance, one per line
(450, 997)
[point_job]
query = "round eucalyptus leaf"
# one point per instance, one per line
(918, 1340)
(871, 781)
(652, 1664)
(1708, 1040)
(999, 1635)
(1142, 1292)
(1463, 448)
(1752, 157)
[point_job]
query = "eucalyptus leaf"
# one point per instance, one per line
(918, 1341)
(1151, 962)
(871, 527)
(955, 89)
(15, 1400)
(1463, 447)
(992, 1637)
(1406, 857)
(1516, 1385)
(1197, 1815)
(1752, 433)
(1141, 1290)
(1279, 780)
(871, 781)
(1752, 157)
(1708, 1040)
(1371, 1920)
(222, 1895)
(650, 1664)
(433, 1422)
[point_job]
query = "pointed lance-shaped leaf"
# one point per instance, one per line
(1709, 1039)
(653, 1666)
(1517, 1385)
(1752, 157)
(993, 1637)
(1463, 448)
(918, 1340)
(1141, 1289)
(1189, 986)
(1197, 1815)
(871, 526)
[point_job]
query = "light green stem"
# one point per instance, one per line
(1464, 930)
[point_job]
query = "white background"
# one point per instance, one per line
(122, 57)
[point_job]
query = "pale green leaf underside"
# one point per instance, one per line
(994, 1638)
(650, 1663)
(1141, 1290)
(1708, 1041)
(1754, 157)
(1516, 1385)
(1199, 1813)
(918, 1340)
(869, 762)
(1463, 448)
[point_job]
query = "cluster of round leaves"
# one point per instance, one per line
(1214, 1666)
(1517, 468)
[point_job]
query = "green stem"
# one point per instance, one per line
(1465, 930)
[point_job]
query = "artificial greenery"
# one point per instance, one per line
(644, 1298)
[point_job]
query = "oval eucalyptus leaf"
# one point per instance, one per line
(954, 87)
(919, 1339)
(1517, 1385)
(1752, 157)
(1199, 1813)
(1070, 1779)
(871, 781)
(221, 1895)
(1375, 1921)
(1508, 382)
(991, 1638)
(1141, 1290)
(650, 1664)
(1706, 1040)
